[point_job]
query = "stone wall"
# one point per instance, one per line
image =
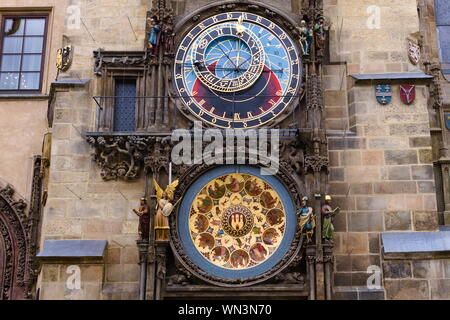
(23, 120)
(80, 204)
(417, 279)
(381, 161)
(57, 282)
(83, 206)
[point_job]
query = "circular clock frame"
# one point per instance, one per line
(184, 247)
(266, 102)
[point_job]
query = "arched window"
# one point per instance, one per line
(443, 33)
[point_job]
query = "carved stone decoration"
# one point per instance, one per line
(294, 154)
(316, 163)
(182, 277)
(296, 246)
(125, 157)
(14, 246)
(33, 221)
(291, 278)
(314, 93)
(414, 52)
(118, 59)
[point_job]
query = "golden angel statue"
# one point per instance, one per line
(164, 208)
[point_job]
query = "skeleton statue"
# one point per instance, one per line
(306, 35)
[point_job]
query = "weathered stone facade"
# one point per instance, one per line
(382, 159)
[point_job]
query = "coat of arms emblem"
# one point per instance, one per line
(407, 93)
(383, 93)
(447, 120)
(413, 52)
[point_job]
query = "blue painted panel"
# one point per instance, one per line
(442, 12)
(194, 254)
(407, 242)
(125, 105)
(73, 248)
(444, 43)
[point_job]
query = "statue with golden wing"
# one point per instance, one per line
(164, 207)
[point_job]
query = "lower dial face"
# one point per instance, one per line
(237, 221)
(237, 70)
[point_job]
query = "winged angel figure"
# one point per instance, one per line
(164, 208)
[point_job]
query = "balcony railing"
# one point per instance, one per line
(125, 114)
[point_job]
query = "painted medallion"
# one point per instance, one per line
(237, 221)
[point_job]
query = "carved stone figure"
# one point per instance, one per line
(154, 35)
(296, 158)
(320, 30)
(144, 220)
(164, 208)
(305, 37)
(168, 36)
(291, 278)
(307, 221)
(328, 215)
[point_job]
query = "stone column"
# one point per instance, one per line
(320, 281)
(328, 268)
(310, 260)
(160, 278)
(143, 261)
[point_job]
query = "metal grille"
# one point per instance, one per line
(125, 106)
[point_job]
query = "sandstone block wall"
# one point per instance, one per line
(381, 163)
(23, 120)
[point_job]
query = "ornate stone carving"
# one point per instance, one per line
(291, 278)
(182, 277)
(118, 59)
(316, 163)
(15, 232)
(314, 93)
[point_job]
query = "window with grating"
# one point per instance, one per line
(125, 105)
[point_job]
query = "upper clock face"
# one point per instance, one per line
(237, 70)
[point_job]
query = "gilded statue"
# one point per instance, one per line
(164, 208)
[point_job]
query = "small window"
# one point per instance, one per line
(125, 105)
(22, 54)
(443, 34)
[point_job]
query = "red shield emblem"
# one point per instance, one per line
(407, 93)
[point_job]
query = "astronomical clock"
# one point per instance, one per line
(236, 70)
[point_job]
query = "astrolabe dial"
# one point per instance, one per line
(237, 70)
(228, 58)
